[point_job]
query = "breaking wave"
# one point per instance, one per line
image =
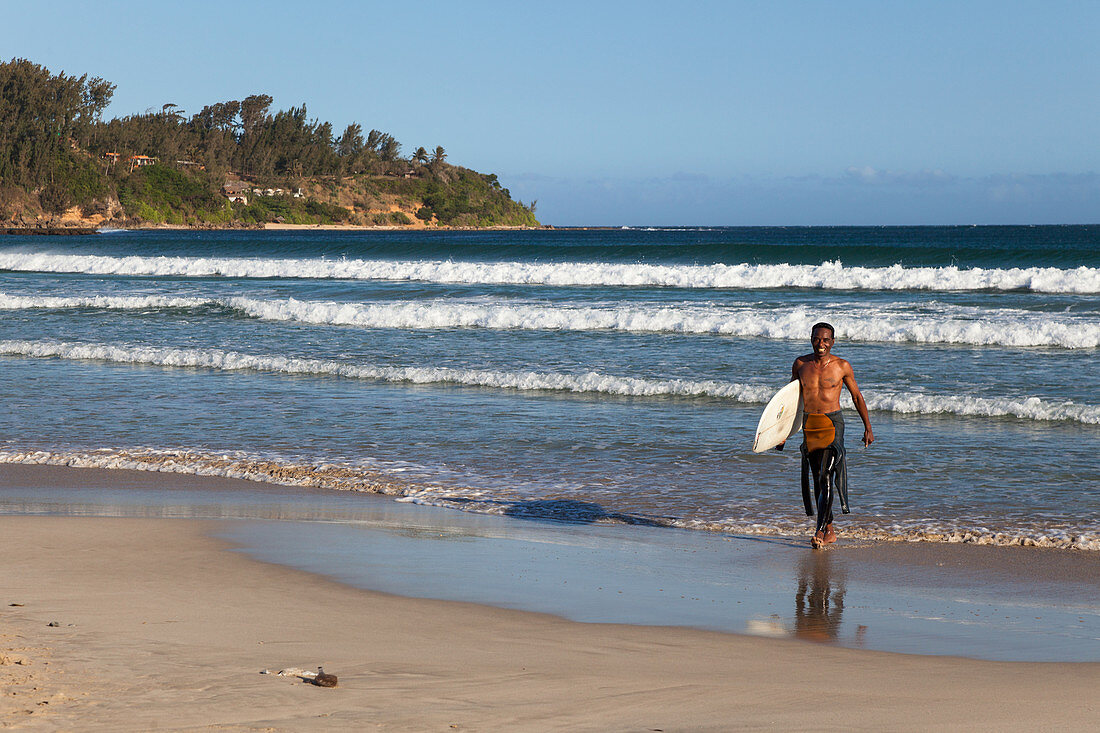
(954, 325)
(595, 383)
(106, 302)
(828, 275)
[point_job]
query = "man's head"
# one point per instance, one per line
(822, 336)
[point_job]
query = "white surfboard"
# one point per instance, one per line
(782, 418)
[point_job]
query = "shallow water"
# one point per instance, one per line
(605, 573)
(608, 374)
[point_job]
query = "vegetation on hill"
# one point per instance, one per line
(231, 163)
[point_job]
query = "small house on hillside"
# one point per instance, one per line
(137, 161)
(236, 191)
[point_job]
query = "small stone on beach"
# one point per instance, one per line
(323, 679)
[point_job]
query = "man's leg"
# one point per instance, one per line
(821, 465)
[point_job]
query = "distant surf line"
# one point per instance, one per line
(832, 275)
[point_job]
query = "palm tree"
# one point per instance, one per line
(440, 154)
(421, 155)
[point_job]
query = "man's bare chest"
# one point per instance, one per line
(828, 377)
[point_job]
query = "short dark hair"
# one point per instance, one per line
(832, 331)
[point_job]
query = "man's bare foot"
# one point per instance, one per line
(830, 534)
(818, 540)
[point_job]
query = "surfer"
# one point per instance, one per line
(822, 376)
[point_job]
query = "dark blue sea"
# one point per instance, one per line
(598, 375)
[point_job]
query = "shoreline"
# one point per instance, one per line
(86, 230)
(159, 625)
(47, 231)
(346, 478)
(398, 228)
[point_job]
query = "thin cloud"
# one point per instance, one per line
(873, 176)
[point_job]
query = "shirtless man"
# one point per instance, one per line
(822, 376)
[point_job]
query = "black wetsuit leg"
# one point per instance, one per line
(821, 466)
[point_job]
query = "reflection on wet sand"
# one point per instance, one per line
(819, 600)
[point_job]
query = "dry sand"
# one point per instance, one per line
(161, 627)
(342, 227)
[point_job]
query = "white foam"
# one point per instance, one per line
(588, 382)
(1054, 538)
(355, 478)
(828, 275)
(1002, 327)
(107, 302)
(946, 324)
(1029, 408)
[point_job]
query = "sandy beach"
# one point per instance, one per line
(415, 225)
(161, 625)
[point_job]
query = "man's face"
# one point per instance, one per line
(822, 341)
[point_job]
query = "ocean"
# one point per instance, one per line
(611, 376)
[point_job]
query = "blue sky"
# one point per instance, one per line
(716, 113)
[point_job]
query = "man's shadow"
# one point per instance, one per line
(566, 511)
(576, 512)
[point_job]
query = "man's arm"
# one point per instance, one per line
(795, 369)
(794, 378)
(861, 405)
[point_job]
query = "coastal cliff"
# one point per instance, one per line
(160, 196)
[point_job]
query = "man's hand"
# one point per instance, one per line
(868, 436)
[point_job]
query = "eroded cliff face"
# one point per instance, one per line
(375, 202)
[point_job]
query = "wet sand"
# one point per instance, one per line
(162, 625)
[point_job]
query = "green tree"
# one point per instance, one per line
(350, 143)
(254, 111)
(40, 114)
(389, 149)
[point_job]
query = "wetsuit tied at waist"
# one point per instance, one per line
(823, 457)
(818, 431)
